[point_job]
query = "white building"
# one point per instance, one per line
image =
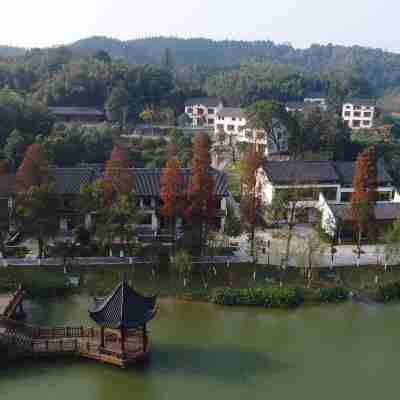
(320, 185)
(359, 113)
(202, 111)
(233, 122)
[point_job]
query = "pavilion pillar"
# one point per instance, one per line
(102, 337)
(144, 338)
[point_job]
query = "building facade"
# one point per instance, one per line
(233, 122)
(202, 111)
(318, 185)
(359, 114)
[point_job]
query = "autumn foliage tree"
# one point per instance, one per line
(251, 202)
(118, 178)
(365, 193)
(34, 169)
(201, 210)
(171, 188)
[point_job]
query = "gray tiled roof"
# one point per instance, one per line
(383, 211)
(317, 172)
(361, 102)
(301, 172)
(147, 181)
(346, 171)
(124, 308)
(232, 112)
(204, 101)
(76, 111)
(70, 180)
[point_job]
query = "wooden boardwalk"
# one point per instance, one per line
(27, 341)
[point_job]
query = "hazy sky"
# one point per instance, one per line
(371, 23)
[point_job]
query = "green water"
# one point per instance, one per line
(201, 351)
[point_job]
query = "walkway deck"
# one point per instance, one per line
(27, 341)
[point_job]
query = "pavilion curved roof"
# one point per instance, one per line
(124, 308)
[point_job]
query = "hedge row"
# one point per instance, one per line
(262, 296)
(388, 292)
(332, 294)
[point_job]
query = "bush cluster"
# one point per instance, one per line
(262, 296)
(388, 292)
(332, 294)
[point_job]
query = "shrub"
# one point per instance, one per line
(388, 292)
(262, 296)
(332, 294)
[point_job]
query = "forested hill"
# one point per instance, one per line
(380, 68)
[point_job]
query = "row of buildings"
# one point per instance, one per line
(211, 113)
(68, 183)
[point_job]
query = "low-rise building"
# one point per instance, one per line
(77, 114)
(203, 110)
(233, 122)
(359, 113)
(318, 184)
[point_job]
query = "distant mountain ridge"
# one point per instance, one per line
(374, 64)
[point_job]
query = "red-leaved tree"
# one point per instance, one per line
(34, 169)
(201, 210)
(118, 178)
(171, 188)
(365, 193)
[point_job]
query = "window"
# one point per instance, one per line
(220, 127)
(357, 107)
(147, 202)
(190, 110)
(357, 114)
(329, 193)
(211, 111)
(385, 196)
(345, 197)
(231, 127)
(200, 111)
(356, 123)
(347, 113)
(367, 114)
(348, 107)
(233, 119)
(366, 123)
(146, 219)
(210, 121)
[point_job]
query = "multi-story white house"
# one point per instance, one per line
(233, 122)
(203, 110)
(359, 113)
(326, 186)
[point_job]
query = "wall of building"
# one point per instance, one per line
(358, 116)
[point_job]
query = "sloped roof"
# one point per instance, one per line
(383, 211)
(70, 180)
(346, 170)
(124, 308)
(204, 101)
(147, 181)
(232, 112)
(317, 172)
(301, 172)
(361, 102)
(76, 111)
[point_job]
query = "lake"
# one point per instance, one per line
(202, 351)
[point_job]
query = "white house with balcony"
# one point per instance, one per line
(233, 122)
(202, 111)
(359, 113)
(326, 186)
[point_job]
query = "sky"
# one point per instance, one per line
(43, 23)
